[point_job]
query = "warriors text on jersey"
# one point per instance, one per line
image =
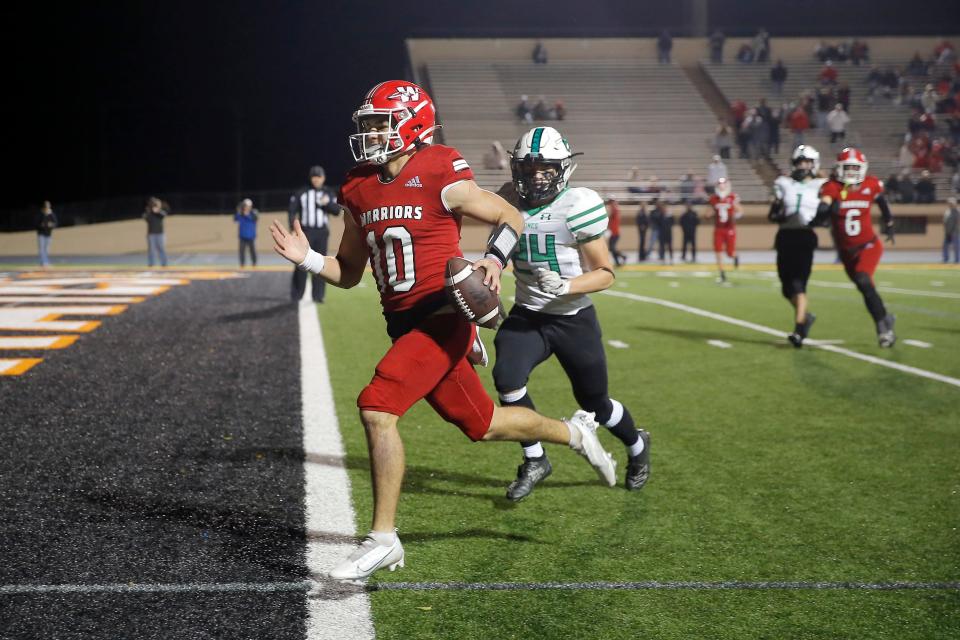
(851, 224)
(550, 240)
(408, 230)
(725, 209)
(800, 200)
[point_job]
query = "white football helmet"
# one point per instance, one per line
(541, 164)
(805, 152)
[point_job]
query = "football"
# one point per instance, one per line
(470, 296)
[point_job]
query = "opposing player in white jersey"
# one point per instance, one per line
(563, 230)
(795, 205)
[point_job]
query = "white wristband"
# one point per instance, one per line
(313, 262)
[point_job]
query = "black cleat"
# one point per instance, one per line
(736, 262)
(638, 467)
(529, 474)
(795, 339)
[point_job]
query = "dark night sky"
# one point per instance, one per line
(129, 98)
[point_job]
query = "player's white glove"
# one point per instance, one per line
(551, 282)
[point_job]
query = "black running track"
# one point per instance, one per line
(165, 447)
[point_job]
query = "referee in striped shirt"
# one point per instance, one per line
(312, 205)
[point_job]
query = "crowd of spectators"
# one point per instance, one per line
(856, 52)
(540, 111)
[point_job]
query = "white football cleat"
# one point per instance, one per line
(590, 447)
(478, 352)
(370, 556)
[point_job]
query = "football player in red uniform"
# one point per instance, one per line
(849, 197)
(405, 200)
(726, 210)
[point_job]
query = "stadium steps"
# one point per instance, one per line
(620, 114)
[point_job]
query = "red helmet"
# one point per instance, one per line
(851, 166)
(410, 119)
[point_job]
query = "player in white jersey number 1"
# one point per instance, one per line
(795, 205)
(563, 229)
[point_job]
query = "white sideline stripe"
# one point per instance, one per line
(327, 507)
(332, 591)
(923, 373)
(885, 289)
(720, 344)
(917, 343)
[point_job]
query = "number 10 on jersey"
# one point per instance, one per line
(385, 246)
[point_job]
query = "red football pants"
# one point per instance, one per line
(864, 260)
(431, 362)
(723, 237)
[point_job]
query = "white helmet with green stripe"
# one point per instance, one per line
(541, 164)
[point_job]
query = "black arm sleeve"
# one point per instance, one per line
(776, 211)
(885, 214)
(823, 214)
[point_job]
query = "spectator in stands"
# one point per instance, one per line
(929, 99)
(539, 53)
(723, 140)
(759, 133)
(837, 121)
(907, 189)
(825, 104)
(943, 53)
(761, 45)
(745, 134)
(688, 225)
(667, 222)
(824, 51)
(843, 96)
(917, 65)
(875, 83)
(926, 189)
(859, 52)
(891, 187)
(951, 231)
(955, 183)
(686, 186)
(664, 47)
(828, 74)
(523, 110)
(715, 170)
(699, 190)
(717, 40)
(540, 110)
(799, 122)
(656, 224)
(936, 157)
(496, 158)
(642, 221)
(653, 185)
(773, 130)
(559, 110)
(745, 54)
(778, 76)
(953, 125)
(246, 220)
(46, 223)
(613, 227)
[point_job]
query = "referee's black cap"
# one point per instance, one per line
(317, 171)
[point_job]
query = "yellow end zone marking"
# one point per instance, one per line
(18, 366)
(36, 342)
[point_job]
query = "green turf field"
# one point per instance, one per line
(769, 464)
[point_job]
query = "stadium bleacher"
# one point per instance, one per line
(620, 114)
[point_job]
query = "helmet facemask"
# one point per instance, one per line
(538, 180)
(378, 137)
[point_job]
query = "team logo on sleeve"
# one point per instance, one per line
(460, 164)
(405, 94)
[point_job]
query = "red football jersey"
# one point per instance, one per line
(724, 209)
(408, 232)
(851, 225)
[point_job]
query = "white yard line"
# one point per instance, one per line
(923, 373)
(918, 343)
(720, 344)
(850, 285)
(327, 509)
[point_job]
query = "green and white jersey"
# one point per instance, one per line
(800, 200)
(551, 239)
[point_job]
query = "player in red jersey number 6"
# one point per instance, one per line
(405, 200)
